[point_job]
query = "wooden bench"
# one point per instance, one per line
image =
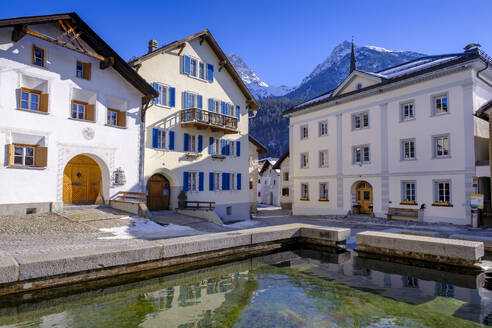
(199, 205)
(130, 196)
(411, 214)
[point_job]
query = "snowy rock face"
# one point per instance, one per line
(257, 87)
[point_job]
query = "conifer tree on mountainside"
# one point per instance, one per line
(269, 127)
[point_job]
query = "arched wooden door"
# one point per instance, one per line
(159, 193)
(81, 181)
(363, 196)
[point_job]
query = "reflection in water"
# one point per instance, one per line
(301, 288)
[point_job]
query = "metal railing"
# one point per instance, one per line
(209, 118)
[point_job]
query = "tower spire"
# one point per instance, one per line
(352, 58)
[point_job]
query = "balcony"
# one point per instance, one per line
(203, 119)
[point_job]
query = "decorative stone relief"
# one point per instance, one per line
(88, 133)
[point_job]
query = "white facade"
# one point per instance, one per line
(269, 183)
(111, 147)
(386, 167)
(255, 148)
(187, 158)
(285, 199)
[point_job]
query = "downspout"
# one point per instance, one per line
(481, 78)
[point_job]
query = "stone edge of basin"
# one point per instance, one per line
(458, 252)
(24, 268)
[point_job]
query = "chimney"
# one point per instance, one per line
(153, 45)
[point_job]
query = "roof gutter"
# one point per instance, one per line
(480, 71)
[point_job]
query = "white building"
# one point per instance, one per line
(402, 138)
(285, 198)
(70, 116)
(197, 129)
(255, 149)
(268, 182)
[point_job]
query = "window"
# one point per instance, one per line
(323, 128)
(323, 191)
(250, 184)
(440, 104)
(285, 191)
(360, 121)
(216, 106)
(304, 160)
(232, 179)
(323, 158)
(361, 154)
(112, 117)
(408, 194)
(442, 192)
(407, 111)
(78, 110)
(160, 143)
(192, 181)
(192, 143)
(201, 71)
(359, 86)
(441, 146)
(30, 99)
(38, 56)
(286, 176)
(407, 149)
(83, 70)
(163, 95)
(24, 155)
(304, 132)
(193, 67)
(217, 182)
(304, 191)
(116, 118)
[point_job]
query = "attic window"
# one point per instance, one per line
(83, 70)
(38, 56)
(359, 86)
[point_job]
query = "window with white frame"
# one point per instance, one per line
(408, 192)
(163, 98)
(304, 160)
(217, 106)
(161, 139)
(30, 99)
(407, 111)
(233, 181)
(323, 158)
(193, 67)
(304, 191)
(360, 121)
(441, 146)
(440, 104)
(217, 181)
(233, 149)
(191, 100)
(78, 110)
(23, 155)
(323, 191)
(112, 117)
(323, 128)
(442, 192)
(361, 154)
(193, 143)
(193, 181)
(201, 71)
(407, 149)
(304, 131)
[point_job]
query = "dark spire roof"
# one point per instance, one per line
(352, 58)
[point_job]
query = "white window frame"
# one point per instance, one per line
(161, 142)
(403, 109)
(78, 106)
(304, 191)
(323, 128)
(360, 118)
(23, 156)
(232, 150)
(197, 68)
(304, 128)
(217, 181)
(435, 141)
(364, 150)
(163, 90)
(233, 181)
(434, 98)
(30, 94)
(407, 197)
(323, 191)
(216, 106)
(403, 145)
(321, 163)
(437, 197)
(112, 117)
(192, 143)
(304, 160)
(193, 181)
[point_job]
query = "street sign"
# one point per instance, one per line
(476, 201)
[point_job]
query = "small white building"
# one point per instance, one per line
(402, 140)
(196, 137)
(255, 149)
(268, 182)
(285, 183)
(71, 116)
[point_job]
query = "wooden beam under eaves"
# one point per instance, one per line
(222, 64)
(202, 38)
(181, 47)
(18, 32)
(106, 63)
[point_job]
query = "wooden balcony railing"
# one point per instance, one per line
(202, 119)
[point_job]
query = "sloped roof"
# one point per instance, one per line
(397, 73)
(92, 40)
(259, 147)
(482, 111)
(281, 159)
(206, 35)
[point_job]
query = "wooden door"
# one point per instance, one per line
(81, 181)
(363, 195)
(159, 193)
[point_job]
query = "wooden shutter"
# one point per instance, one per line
(90, 112)
(86, 71)
(43, 103)
(122, 119)
(41, 156)
(10, 155)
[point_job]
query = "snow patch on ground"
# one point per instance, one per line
(147, 229)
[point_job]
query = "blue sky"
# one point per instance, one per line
(281, 40)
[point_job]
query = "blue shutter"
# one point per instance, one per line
(172, 97)
(211, 145)
(238, 184)
(228, 147)
(186, 65)
(155, 138)
(200, 143)
(211, 181)
(210, 104)
(228, 181)
(186, 142)
(222, 107)
(185, 181)
(238, 148)
(201, 176)
(224, 181)
(227, 109)
(185, 100)
(222, 147)
(156, 87)
(200, 101)
(210, 72)
(171, 140)
(238, 113)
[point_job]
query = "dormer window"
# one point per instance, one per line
(38, 57)
(359, 86)
(83, 70)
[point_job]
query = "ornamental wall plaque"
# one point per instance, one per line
(88, 133)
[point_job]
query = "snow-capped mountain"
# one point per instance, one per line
(257, 87)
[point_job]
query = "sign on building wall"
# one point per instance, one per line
(476, 201)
